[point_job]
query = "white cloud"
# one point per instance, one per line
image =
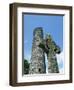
(60, 60)
(46, 62)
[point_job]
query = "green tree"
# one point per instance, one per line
(26, 67)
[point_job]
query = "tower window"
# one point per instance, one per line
(39, 70)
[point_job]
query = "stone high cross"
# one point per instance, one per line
(51, 49)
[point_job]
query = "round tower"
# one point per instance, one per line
(37, 64)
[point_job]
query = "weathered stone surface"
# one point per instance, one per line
(37, 65)
(51, 55)
(40, 46)
(50, 48)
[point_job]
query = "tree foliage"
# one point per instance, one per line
(26, 67)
